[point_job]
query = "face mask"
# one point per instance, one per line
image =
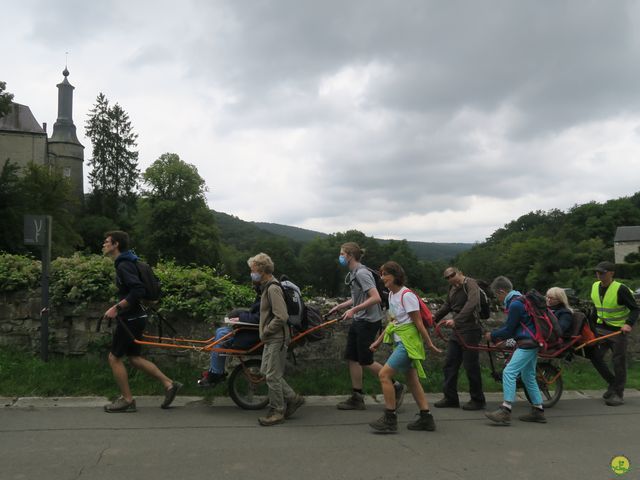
(256, 277)
(342, 260)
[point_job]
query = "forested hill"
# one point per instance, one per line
(241, 233)
(556, 248)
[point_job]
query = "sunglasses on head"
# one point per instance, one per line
(450, 276)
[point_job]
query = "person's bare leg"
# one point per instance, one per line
(415, 387)
(121, 377)
(355, 372)
(386, 382)
(152, 370)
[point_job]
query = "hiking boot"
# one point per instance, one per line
(273, 417)
(446, 403)
(609, 393)
(474, 405)
(401, 390)
(502, 416)
(387, 423)
(614, 400)
(424, 422)
(536, 416)
(292, 405)
(120, 405)
(354, 402)
(210, 379)
(170, 394)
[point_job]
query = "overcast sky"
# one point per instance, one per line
(425, 120)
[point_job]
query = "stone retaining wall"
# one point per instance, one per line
(73, 332)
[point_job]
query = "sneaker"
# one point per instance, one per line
(354, 402)
(210, 379)
(387, 423)
(273, 417)
(609, 393)
(502, 416)
(474, 405)
(120, 405)
(446, 403)
(292, 405)
(536, 416)
(614, 400)
(400, 389)
(424, 422)
(170, 394)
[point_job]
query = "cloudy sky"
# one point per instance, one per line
(425, 120)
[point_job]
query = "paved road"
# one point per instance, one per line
(197, 440)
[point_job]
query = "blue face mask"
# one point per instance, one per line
(256, 277)
(342, 260)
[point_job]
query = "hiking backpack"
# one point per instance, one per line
(311, 318)
(425, 313)
(382, 290)
(293, 299)
(548, 333)
(484, 311)
(152, 287)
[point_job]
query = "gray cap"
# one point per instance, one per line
(604, 267)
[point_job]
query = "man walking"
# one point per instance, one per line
(463, 300)
(615, 311)
(130, 320)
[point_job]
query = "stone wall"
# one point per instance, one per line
(73, 332)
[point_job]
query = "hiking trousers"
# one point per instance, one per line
(470, 359)
(523, 362)
(274, 359)
(618, 347)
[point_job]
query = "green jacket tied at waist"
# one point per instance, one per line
(412, 341)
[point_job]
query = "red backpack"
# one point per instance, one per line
(425, 313)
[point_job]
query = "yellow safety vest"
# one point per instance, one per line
(607, 308)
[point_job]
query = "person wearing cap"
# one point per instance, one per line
(463, 302)
(615, 311)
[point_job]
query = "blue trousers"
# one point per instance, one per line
(523, 363)
(217, 362)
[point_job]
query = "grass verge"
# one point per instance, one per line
(24, 374)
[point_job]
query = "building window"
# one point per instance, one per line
(66, 172)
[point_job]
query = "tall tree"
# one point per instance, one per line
(114, 175)
(11, 208)
(5, 100)
(174, 221)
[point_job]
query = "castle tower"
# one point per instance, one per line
(65, 151)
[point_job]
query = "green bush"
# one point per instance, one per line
(199, 292)
(18, 272)
(81, 279)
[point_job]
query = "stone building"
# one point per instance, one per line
(626, 241)
(24, 141)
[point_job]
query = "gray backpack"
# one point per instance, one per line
(293, 299)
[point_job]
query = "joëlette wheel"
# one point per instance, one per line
(247, 386)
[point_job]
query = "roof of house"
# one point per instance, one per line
(627, 234)
(20, 119)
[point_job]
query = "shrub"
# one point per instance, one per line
(18, 272)
(81, 279)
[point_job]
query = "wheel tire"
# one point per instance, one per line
(247, 386)
(551, 390)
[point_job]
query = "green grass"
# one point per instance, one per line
(23, 374)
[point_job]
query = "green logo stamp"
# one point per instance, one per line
(620, 465)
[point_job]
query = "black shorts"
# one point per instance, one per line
(361, 335)
(122, 343)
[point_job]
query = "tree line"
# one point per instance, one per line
(165, 210)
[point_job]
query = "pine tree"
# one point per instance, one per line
(5, 100)
(114, 175)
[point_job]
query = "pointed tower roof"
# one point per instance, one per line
(64, 130)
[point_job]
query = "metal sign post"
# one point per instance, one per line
(37, 231)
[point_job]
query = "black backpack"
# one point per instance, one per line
(382, 290)
(312, 318)
(484, 312)
(152, 287)
(293, 299)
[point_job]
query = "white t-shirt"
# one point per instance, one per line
(399, 307)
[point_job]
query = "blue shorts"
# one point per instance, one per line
(399, 359)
